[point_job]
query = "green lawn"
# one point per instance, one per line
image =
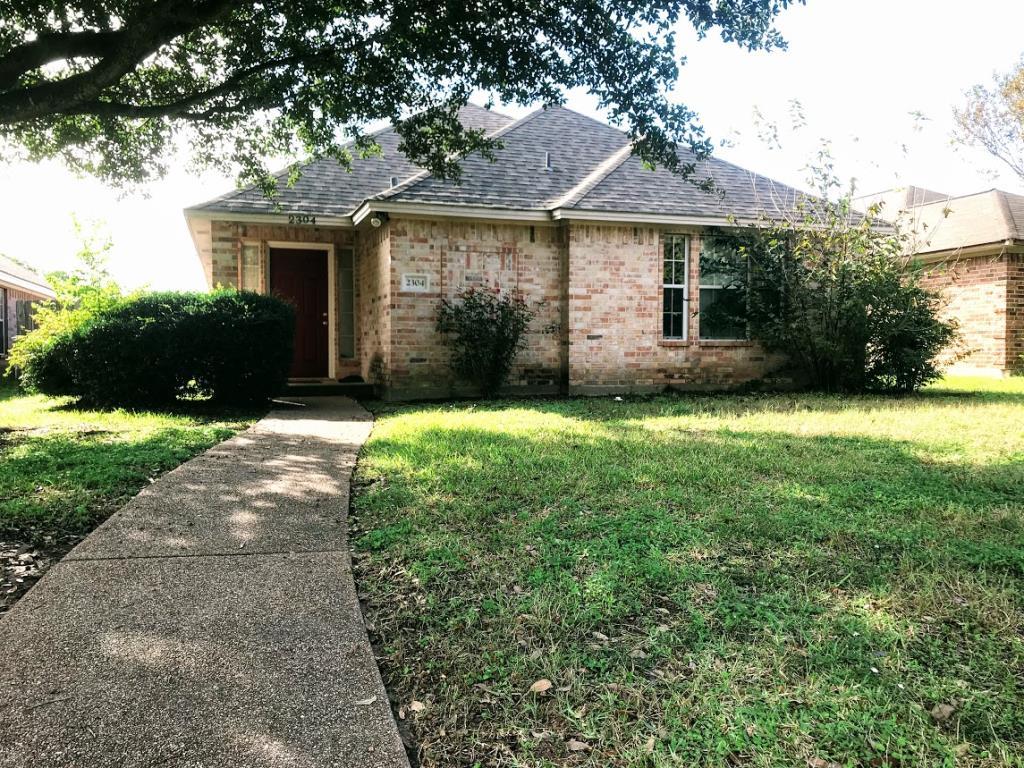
(762, 580)
(63, 469)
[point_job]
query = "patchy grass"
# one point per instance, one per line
(63, 470)
(760, 580)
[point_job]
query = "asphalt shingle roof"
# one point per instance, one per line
(575, 144)
(325, 188)
(633, 188)
(591, 169)
(9, 269)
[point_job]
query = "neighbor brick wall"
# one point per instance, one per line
(14, 295)
(1015, 312)
(456, 255)
(983, 294)
(615, 319)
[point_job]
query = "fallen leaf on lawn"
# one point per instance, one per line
(364, 702)
(541, 686)
(577, 746)
(649, 746)
(600, 635)
(942, 712)
(637, 654)
(417, 706)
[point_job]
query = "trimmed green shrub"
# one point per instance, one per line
(485, 330)
(231, 346)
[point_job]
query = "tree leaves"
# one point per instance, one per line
(110, 87)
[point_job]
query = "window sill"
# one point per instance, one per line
(705, 343)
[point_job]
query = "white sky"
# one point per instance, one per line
(859, 68)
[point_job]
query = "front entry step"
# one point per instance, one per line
(357, 390)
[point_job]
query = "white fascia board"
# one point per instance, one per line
(268, 218)
(448, 211)
(20, 284)
(624, 217)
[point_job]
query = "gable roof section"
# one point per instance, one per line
(327, 189)
(954, 223)
(14, 275)
(518, 178)
(631, 187)
(592, 175)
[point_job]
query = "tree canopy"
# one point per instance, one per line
(114, 87)
(993, 119)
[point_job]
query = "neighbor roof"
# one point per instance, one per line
(946, 223)
(15, 275)
(554, 162)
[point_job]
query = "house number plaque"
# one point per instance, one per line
(416, 283)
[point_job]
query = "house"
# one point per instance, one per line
(606, 250)
(20, 288)
(972, 250)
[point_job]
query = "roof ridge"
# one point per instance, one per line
(419, 176)
(592, 179)
(1004, 209)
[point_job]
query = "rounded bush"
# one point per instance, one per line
(231, 346)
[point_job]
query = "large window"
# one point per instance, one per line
(723, 290)
(675, 287)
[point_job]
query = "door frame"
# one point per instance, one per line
(332, 277)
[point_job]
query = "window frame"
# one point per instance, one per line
(702, 286)
(684, 286)
(260, 278)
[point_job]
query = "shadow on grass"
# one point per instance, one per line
(747, 580)
(60, 486)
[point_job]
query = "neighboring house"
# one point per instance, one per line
(972, 247)
(606, 250)
(20, 288)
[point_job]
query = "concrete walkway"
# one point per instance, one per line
(211, 623)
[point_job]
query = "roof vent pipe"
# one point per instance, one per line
(547, 161)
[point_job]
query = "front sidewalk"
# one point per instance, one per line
(211, 622)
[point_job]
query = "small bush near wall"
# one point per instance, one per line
(231, 346)
(485, 330)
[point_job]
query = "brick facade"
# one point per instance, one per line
(615, 319)
(596, 289)
(985, 295)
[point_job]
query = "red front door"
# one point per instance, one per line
(299, 277)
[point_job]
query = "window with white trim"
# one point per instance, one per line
(723, 290)
(675, 287)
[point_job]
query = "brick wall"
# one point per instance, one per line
(615, 319)
(455, 255)
(10, 324)
(978, 292)
(597, 291)
(1015, 312)
(373, 303)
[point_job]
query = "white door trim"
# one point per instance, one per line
(332, 279)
